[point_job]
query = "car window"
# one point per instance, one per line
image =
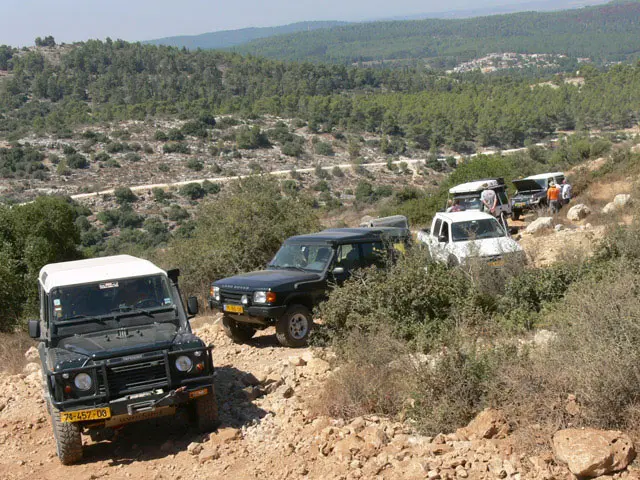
(445, 231)
(502, 196)
(348, 257)
(373, 253)
(436, 227)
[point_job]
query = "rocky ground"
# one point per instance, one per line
(268, 430)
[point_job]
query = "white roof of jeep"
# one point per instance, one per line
(464, 216)
(544, 176)
(476, 186)
(95, 270)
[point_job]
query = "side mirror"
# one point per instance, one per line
(192, 306)
(338, 271)
(442, 238)
(34, 329)
(173, 274)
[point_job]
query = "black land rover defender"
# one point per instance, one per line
(116, 347)
(297, 279)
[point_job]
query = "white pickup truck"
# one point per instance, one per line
(457, 236)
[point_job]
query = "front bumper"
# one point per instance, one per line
(173, 386)
(253, 313)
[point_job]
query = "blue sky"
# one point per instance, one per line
(75, 20)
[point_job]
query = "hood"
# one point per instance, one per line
(265, 279)
(486, 248)
(527, 185)
(109, 343)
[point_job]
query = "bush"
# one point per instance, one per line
(321, 173)
(160, 195)
(163, 167)
(161, 136)
(210, 188)
(195, 165)
(176, 147)
(323, 148)
(251, 138)
(77, 160)
(192, 191)
(102, 157)
(175, 135)
(337, 172)
(132, 157)
(124, 195)
(195, 129)
(418, 304)
(292, 149)
(115, 147)
(176, 213)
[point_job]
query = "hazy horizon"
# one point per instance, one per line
(71, 20)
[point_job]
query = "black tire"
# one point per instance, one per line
(294, 327)
(68, 439)
(515, 215)
(236, 331)
(206, 410)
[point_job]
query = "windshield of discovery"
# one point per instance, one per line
(306, 257)
(110, 297)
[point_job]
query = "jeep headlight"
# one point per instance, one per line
(183, 363)
(215, 293)
(83, 382)
(264, 297)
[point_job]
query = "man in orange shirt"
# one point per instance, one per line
(553, 198)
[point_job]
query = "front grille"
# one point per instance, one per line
(233, 297)
(137, 377)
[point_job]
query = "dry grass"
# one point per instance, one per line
(12, 348)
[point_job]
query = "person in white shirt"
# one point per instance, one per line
(565, 193)
(489, 201)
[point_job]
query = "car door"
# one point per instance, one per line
(440, 251)
(349, 259)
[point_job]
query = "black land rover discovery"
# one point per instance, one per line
(297, 279)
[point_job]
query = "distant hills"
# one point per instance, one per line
(604, 33)
(231, 38)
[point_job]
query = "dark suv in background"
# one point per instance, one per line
(297, 279)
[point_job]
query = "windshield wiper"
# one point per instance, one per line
(127, 311)
(78, 319)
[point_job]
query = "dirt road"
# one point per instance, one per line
(267, 431)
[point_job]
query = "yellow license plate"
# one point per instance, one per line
(497, 263)
(85, 415)
(233, 308)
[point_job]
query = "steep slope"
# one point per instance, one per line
(231, 38)
(604, 33)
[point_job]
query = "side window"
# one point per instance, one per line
(445, 231)
(43, 305)
(372, 254)
(348, 257)
(502, 196)
(436, 227)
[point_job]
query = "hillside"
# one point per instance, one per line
(605, 33)
(231, 38)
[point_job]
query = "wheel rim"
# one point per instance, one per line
(298, 326)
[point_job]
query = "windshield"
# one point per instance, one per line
(105, 298)
(311, 257)
(476, 230)
(468, 202)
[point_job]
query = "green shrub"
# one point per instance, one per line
(176, 147)
(251, 138)
(176, 213)
(132, 157)
(323, 148)
(195, 165)
(210, 188)
(77, 160)
(161, 136)
(163, 167)
(102, 157)
(124, 195)
(337, 172)
(192, 191)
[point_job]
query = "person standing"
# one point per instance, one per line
(565, 192)
(553, 198)
(489, 201)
